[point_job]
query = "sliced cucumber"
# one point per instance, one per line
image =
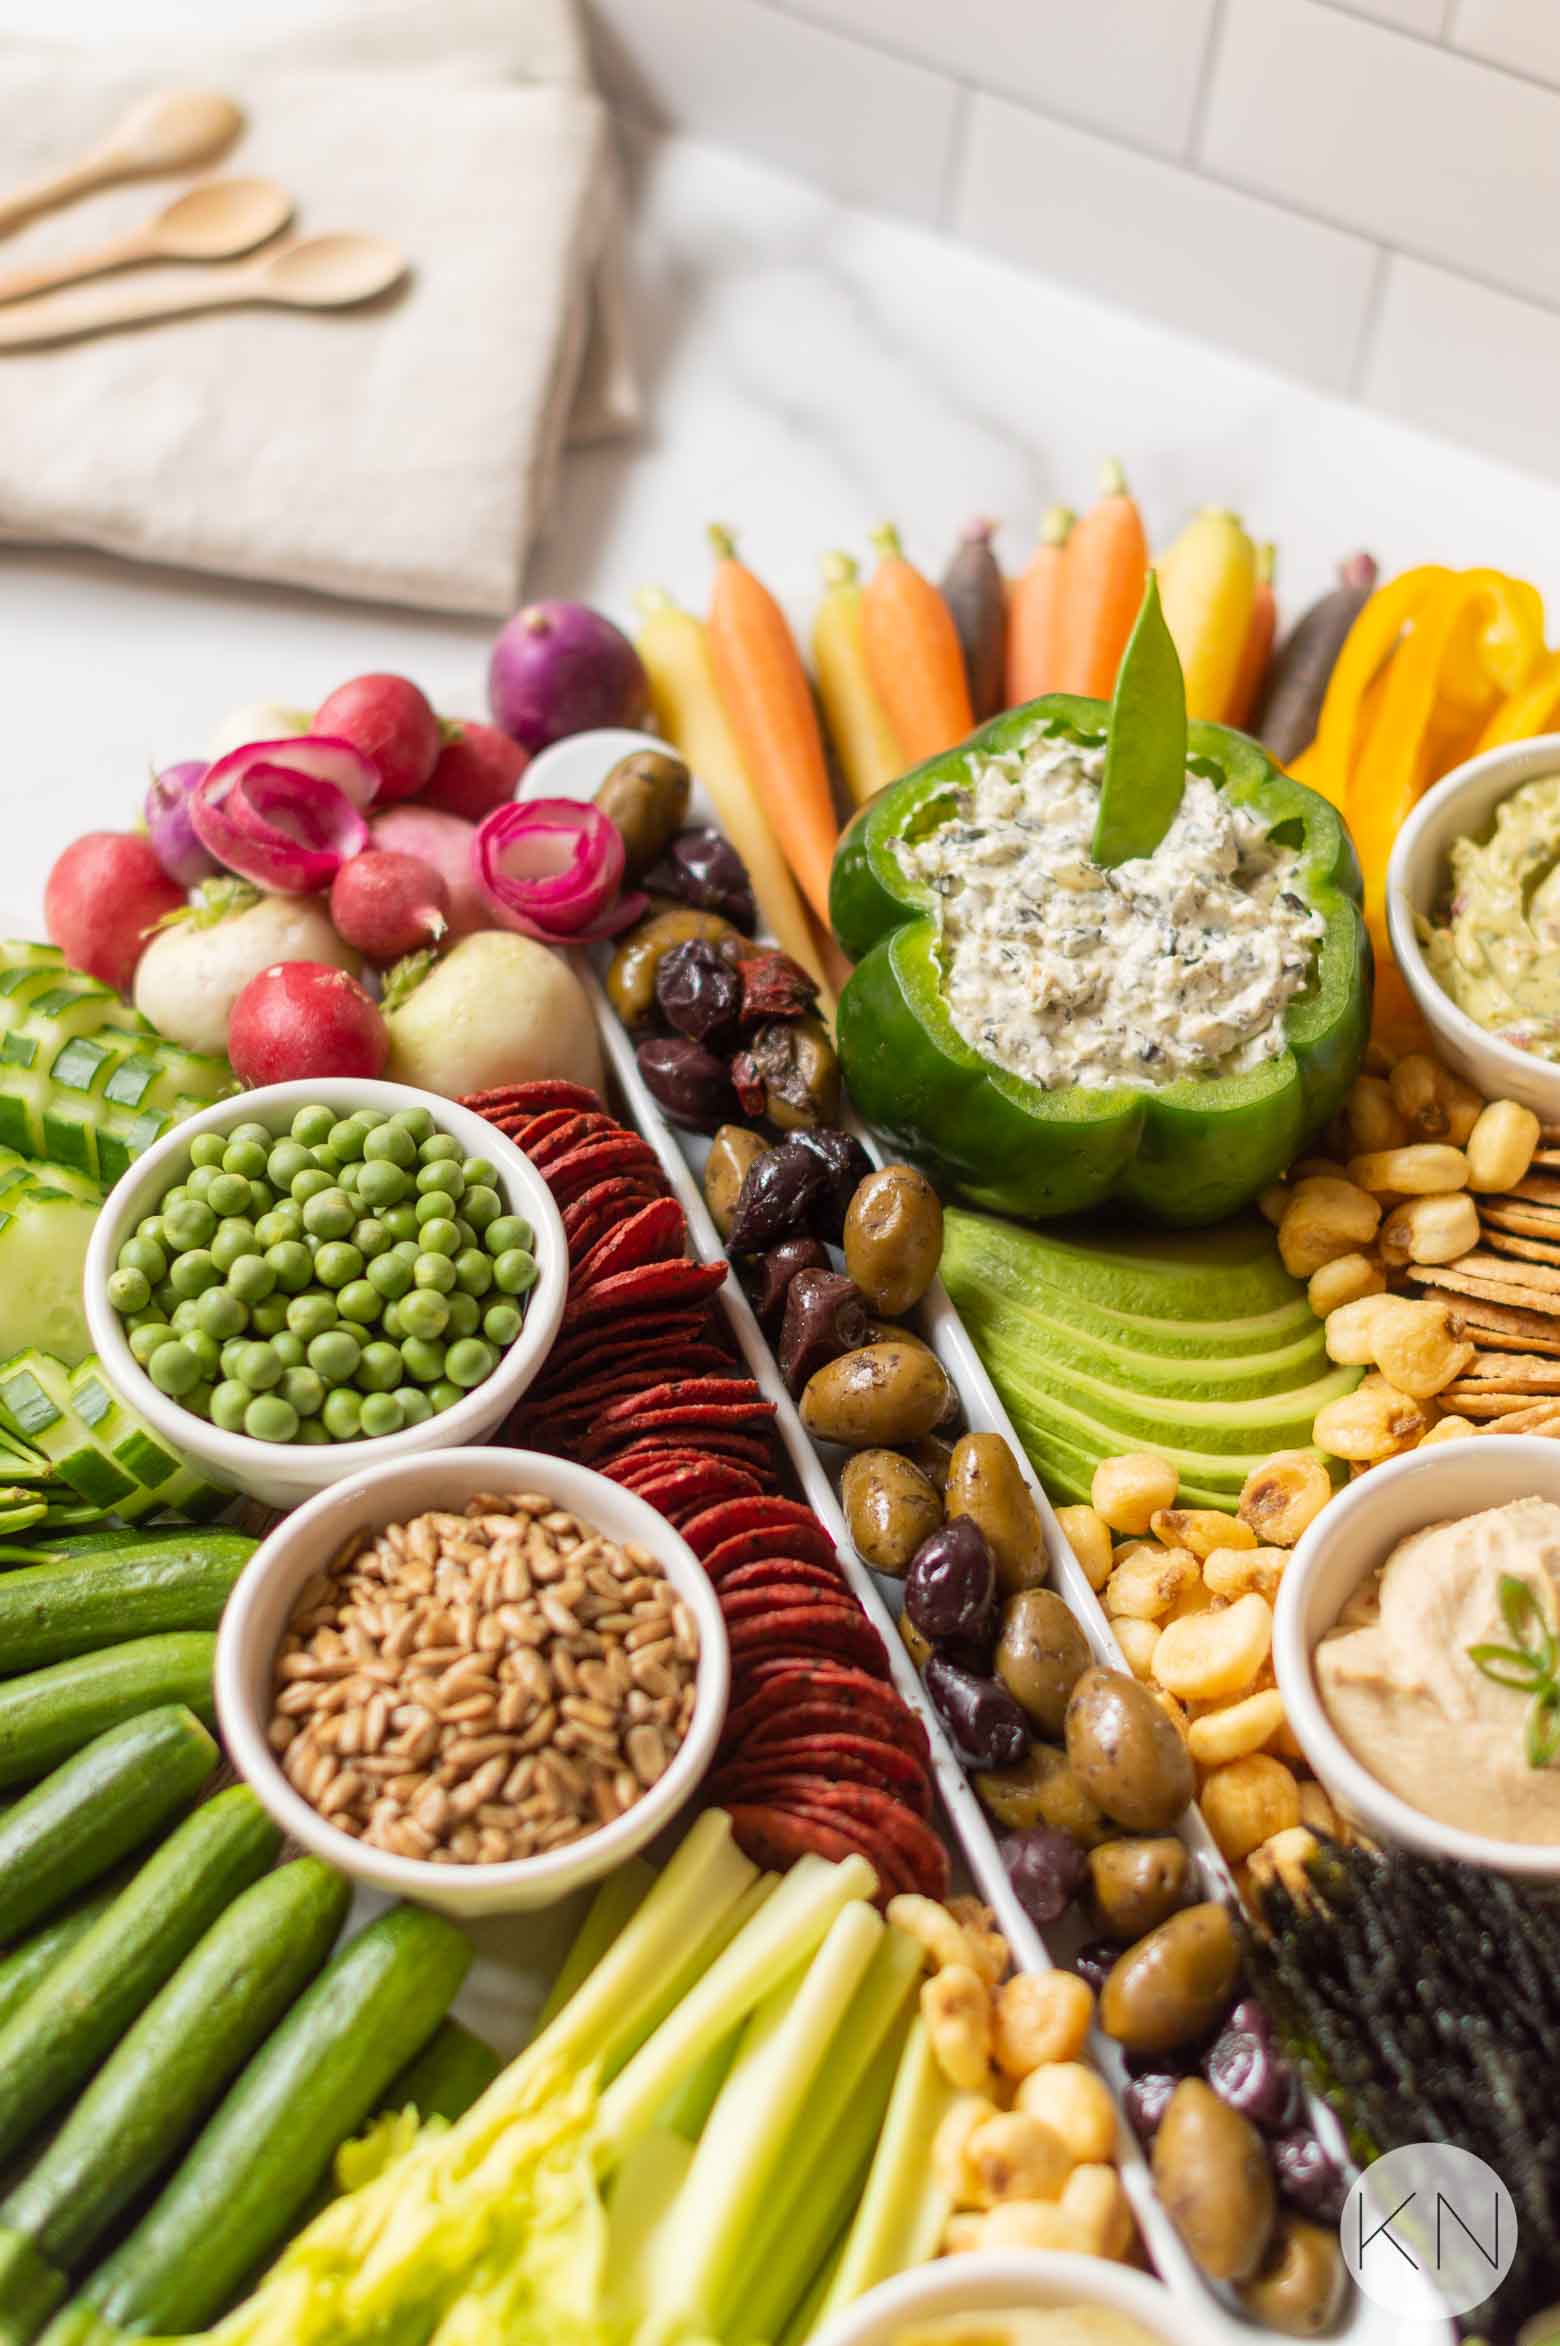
(95, 1441)
(47, 1214)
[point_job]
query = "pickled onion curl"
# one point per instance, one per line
(286, 814)
(552, 868)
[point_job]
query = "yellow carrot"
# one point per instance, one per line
(1034, 614)
(674, 647)
(1207, 584)
(865, 743)
(765, 693)
(914, 654)
(1257, 649)
(1103, 575)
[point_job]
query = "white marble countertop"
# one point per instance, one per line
(808, 371)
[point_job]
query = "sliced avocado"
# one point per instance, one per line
(1124, 1420)
(1230, 1272)
(1224, 1375)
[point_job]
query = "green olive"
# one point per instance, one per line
(919, 1648)
(1136, 1885)
(882, 1395)
(893, 1238)
(1211, 2170)
(1041, 1655)
(801, 1075)
(890, 1508)
(984, 1483)
(631, 977)
(1298, 2287)
(646, 796)
(1043, 1790)
(732, 1151)
(1128, 1751)
(1172, 1986)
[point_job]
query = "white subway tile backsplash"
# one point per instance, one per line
(1129, 67)
(1412, 16)
(871, 128)
(1155, 238)
(1393, 138)
(1479, 366)
(1522, 35)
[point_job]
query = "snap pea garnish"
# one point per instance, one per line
(1528, 1668)
(1145, 741)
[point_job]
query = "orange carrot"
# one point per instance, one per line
(914, 654)
(1103, 574)
(769, 705)
(1034, 608)
(1257, 649)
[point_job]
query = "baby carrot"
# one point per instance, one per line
(914, 654)
(864, 741)
(1034, 610)
(1257, 649)
(764, 690)
(1103, 575)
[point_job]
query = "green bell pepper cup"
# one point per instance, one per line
(1191, 1152)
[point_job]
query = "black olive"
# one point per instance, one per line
(825, 1315)
(951, 1585)
(687, 1082)
(982, 1717)
(845, 1163)
(698, 992)
(1046, 1869)
(800, 1188)
(703, 869)
(769, 1275)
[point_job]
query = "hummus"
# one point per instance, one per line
(1065, 971)
(1069, 2325)
(1412, 1706)
(1497, 951)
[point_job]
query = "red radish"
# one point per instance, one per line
(387, 904)
(303, 1018)
(105, 896)
(445, 842)
(562, 668)
(477, 771)
(390, 721)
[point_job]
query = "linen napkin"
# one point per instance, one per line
(402, 452)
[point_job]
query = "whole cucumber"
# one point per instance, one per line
(48, 1714)
(454, 2068)
(50, 1612)
(258, 2160)
(24, 1966)
(165, 2075)
(75, 2016)
(105, 1801)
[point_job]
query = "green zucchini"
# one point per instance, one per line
(170, 2070)
(50, 1612)
(47, 1714)
(257, 2162)
(76, 2016)
(454, 2068)
(24, 1966)
(107, 1800)
(95, 1442)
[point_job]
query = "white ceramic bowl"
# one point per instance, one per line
(262, 1604)
(282, 1473)
(1462, 805)
(1350, 1537)
(1036, 2279)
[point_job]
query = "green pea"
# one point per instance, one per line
(514, 1271)
(228, 1404)
(282, 1222)
(507, 1232)
(443, 1395)
(502, 1323)
(335, 1356)
(205, 1352)
(417, 1121)
(360, 1302)
(473, 1269)
(380, 1414)
(166, 1297)
(469, 1361)
(338, 1264)
(151, 1226)
(145, 1339)
(193, 1273)
(389, 1276)
(380, 1183)
(259, 1368)
(287, 1160)
(465, 1233)
(252, 1278)
(423, 1361)
(311, 1182)
(312, 1430)
(234, 1237)
(330, 1213)
(407, 1250)
(440, 1236)
(293, 1264)
(256, 1134)
(129, 1291)
(303, 1391)
(416, 1408)
(186, 1315)
(369, 1117)
(262, 1197)
(390, 1323)
(342, 1416)
(221, 1313)
(346, 1137)
(424, 1314)
(288, 1348)
(390, 1144)
(379, 1370)
(193, 1190)
(371, 1238)
(189, 1224)
(270, 1419)
(435, 1271)
(439, 1145)
(247, 1157)
(174, 1369)
(348, 1179)
(465, 1314)
(481, 1205)
(229, 1357)
(443, 1177)
(228, 1194)
(311, 1313)
(146, 1256)
(207, 1147)
(400, 1221)
(481, 1171)
(269, 1318)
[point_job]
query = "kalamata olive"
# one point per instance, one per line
(1308, 2174)
(779, 1196)
(825, 1315)
(698, 992)
(951, 1585)
(792, 1061)
(631, 976)
(704, 869)
(982, 1717)
(1045, 1869)
(844, 1162)
(732, 1151)
(646, 796)
(1146, 2099)
(769, 1275)
(1093, 1963)
(1246, 2071)
(688, 1083)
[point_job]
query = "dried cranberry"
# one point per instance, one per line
(698, 992)
(689, 1085)
(703, 869)
(749, 1085)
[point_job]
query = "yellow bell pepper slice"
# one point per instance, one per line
(1346, 710)
(1533, 708)
(1499, 643)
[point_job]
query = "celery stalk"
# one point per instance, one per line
(805, 2320)
(618, 1899)
(905, 2205)
(644, 2191)
(679, 1981)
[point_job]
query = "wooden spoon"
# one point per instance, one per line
(171, 131)
(312, 273)
(212, 222)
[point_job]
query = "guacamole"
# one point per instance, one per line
(1496, 951)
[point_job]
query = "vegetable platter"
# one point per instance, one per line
(575, 769)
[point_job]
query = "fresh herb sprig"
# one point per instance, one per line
(1528, 1665)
